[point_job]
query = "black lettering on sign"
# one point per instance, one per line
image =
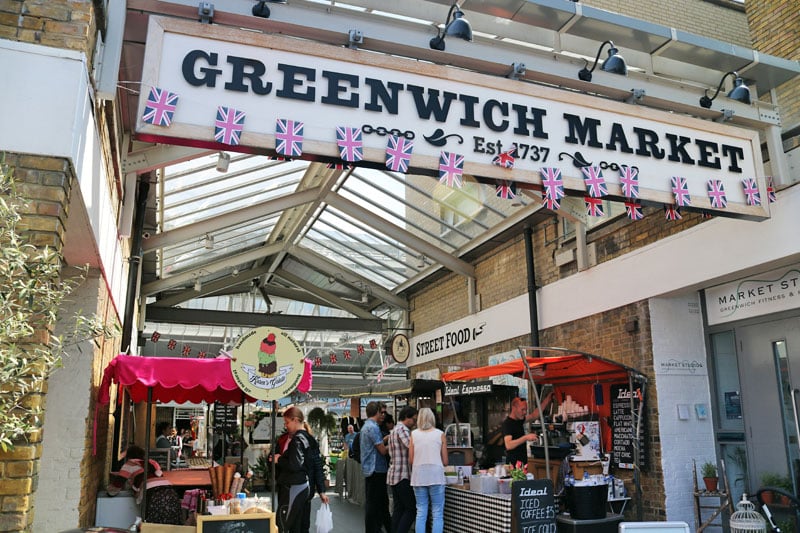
(533, 506)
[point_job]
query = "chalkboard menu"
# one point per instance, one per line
(623, 426)
(533, 506)
(225, 417)
(237, 523)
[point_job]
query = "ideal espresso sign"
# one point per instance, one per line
(467, 389)
(259, 80)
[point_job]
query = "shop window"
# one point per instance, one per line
(727, 386)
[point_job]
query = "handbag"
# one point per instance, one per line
(324, 519)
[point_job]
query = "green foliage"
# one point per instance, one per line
(31, 293)
(708, 470)
(322, 423)
(263, 468)
(780, 481)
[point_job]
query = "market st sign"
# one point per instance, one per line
(440, 109)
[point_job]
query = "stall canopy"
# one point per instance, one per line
(395, 388)
(173, 379)
(562, 370)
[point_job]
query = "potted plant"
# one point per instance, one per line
(770, 479)
(709, 473)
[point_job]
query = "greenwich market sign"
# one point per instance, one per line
(222, 88)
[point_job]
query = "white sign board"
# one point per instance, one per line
(503, 321)
(266, 78)
(771, 292)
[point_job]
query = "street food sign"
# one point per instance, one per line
(225, 88)
(267, 363)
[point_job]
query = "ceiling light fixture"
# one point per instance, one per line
(422, 262)
(198, 285)
(457, 26)
(223, 161)
(740, 92)
(614, 63)
(261, 10)
(208, 242)
(364, 298)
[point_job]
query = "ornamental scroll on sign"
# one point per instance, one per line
(267, 363)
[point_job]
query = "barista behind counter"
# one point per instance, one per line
(515, 437)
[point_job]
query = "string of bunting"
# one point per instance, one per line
(229, 125)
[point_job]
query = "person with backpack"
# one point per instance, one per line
(374, 466)
(300, 475)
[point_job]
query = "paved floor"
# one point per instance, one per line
(347, 517)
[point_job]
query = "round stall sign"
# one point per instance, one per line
(267, 363)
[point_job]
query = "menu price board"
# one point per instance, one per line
(237, 523)
(224, 417)
(533, 507)
(623, 426)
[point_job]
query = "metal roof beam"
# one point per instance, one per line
(207, 317)
(334, 301)
(412, 241)
(211, 287)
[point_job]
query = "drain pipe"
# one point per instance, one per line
(134, 265)
(533, 310)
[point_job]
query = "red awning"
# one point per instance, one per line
(173, 379)
(558, 370)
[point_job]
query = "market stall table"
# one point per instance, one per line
(189, 477)
(465, 510)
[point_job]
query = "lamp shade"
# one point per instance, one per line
(740, 91)
(614, 63)
(459, 27)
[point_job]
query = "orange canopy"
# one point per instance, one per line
(556, 370)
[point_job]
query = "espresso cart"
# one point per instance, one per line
(589, 380)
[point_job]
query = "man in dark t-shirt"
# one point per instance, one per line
(514, 437)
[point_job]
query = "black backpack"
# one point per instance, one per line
(355, 448)
(314, 465)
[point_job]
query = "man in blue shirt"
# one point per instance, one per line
(374, 465)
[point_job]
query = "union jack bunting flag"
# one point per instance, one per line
(634, 210)
(155, 336)
(289, 137)
(552, 183)
(506, 189)
(229, 125)
(706, 215)
(380, 376)
(716, 192)
(771, 190)
(347, 355)
(339, 166)
(398, 153)
(629, 179)
(160, 107)
(172, 344)
(594, 181)
(550, 202)
(506, 159)
(752, 196)
(202, 354)
(186, 350)
(672, 212)
(351, 144)
(318, 361)
(451, 167)
(333, 358)
(594, 206)
(360, 349)
(681, 191)
(373, 344)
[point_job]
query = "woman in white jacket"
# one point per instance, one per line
(427, 454)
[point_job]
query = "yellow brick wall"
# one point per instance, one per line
(775, 28)
(693, 16)
(69, 24)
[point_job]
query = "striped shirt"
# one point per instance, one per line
(399, 439)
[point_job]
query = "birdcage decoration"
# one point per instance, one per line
(746, 519)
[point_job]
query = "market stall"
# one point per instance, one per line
(592, 394)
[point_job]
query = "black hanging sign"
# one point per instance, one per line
(533, 507)
(623, 426)
(225, 417)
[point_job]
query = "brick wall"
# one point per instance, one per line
(775, 29)
(68, 24)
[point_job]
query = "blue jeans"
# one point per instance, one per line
(434, 493)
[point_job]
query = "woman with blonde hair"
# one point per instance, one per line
(427, 454)
(300, 474)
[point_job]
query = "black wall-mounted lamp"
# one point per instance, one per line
(739, 92)
(261, 9)
(614, 63)
(457, 26)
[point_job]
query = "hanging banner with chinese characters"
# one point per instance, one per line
(267, 363)
(263, 94)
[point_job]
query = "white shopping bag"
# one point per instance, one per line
(324, 519)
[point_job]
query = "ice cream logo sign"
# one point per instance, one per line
(267, 363)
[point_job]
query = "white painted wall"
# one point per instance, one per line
(66, 423)
(677, 334)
